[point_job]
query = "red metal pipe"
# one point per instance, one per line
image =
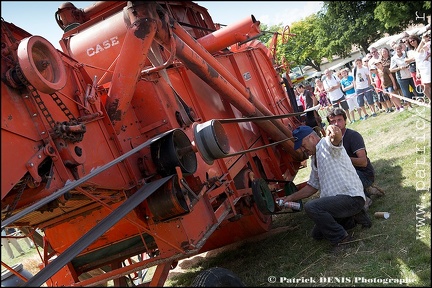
(238, 32)
(131, 61)
(202, 63)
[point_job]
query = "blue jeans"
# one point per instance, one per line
(365, 93)
(329, 212)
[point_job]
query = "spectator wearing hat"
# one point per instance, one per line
(340, 206)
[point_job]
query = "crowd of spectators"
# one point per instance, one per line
(385, 80)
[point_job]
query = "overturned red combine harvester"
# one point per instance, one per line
(153, 136)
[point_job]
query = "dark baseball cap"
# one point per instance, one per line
(299, 134)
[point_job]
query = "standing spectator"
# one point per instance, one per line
(340, 206)
(299, 101)
(412, 42)
(351, 96)
(368, 63)
(334, 92)
(300, 104)
(313, 119)
(321, 94)
(388, 84)
(403, 75)
(363, 87)
(375, 56)
(421, 57)
(377, 82)
(386, 61)
(5, 241)
(289, 88)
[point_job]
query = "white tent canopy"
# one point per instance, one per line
(385, 41)
(389, 40)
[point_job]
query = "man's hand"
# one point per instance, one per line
(335, 134)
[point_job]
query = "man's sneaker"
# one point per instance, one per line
(374, 114)
(366, 116)
(363, 219)
(361, 118)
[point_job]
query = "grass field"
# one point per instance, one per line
(393, 252)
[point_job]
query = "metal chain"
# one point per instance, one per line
(62, 106)
(18, 196)
(40, 102)
(55, 126)
(41, 106)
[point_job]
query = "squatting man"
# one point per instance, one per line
(340, 205)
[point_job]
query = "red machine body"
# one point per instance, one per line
(151, 137)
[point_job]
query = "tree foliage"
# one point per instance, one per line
(302, 48)
(340, 26)
(347, 24)
(397, 15)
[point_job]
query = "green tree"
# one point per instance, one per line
(301, 49)
(347, 24)
(395, 16)
(360, 23)
(341, 26)
(268, 31)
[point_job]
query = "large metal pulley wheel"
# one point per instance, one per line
(211, 140)
(41, 64)
(263, 196)
(172, 150)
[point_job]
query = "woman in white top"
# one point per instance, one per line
(421, 55)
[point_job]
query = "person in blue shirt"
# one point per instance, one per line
(347, 84)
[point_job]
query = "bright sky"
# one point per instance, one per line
(38, 18)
